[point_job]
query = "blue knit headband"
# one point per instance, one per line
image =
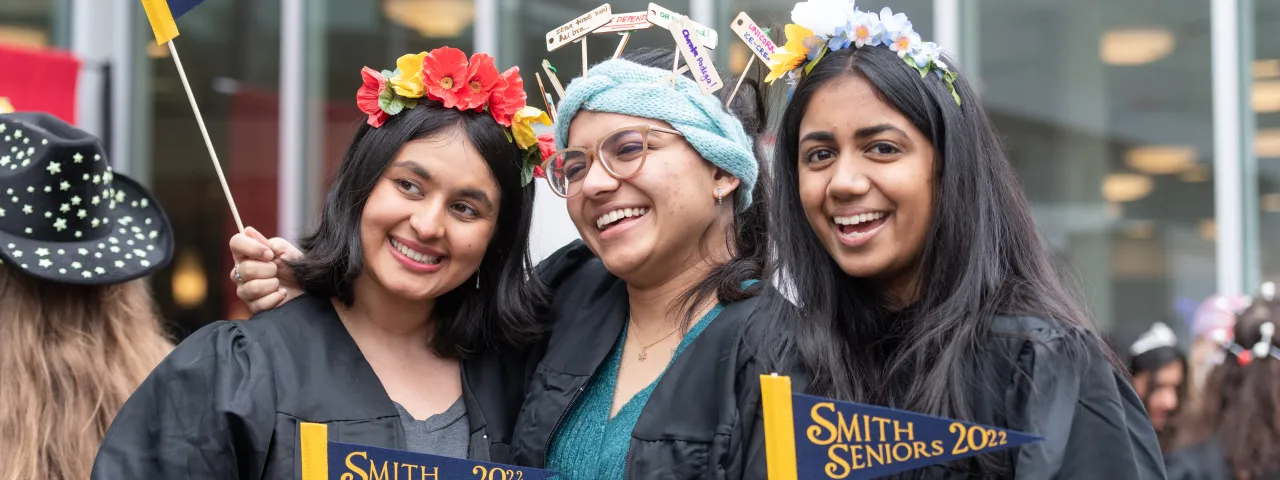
(628, 88)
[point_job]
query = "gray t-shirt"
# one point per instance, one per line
(446, 433)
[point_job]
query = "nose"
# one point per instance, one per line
(849, 180)
(428, 222)
(598, 181)
(1164, 400)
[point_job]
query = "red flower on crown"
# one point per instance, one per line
(444, 73)
(508, 96)
(482, 76)
(367, 96)
(546, 148)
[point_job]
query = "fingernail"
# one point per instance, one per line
(266, 254)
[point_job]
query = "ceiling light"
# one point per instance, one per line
(1208, 229)
(1266, 96)
(1126, 187)
(1264, 69)
(1196, 174)
(1135, 46)
(431, 18)
(1161, 159)
(1267, 144)
(189, 285)
(1271, 203)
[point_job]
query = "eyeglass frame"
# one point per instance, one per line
(593, 155)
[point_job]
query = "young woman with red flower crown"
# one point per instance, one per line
(647, 372)
(415, 307)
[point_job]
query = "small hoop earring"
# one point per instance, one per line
(477, 280)
(719, 195)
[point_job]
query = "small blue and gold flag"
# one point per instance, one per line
(814, 438)
(326, 460)
(163, 15)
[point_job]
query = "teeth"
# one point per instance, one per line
(860, 218)
(619, 214)
(414, 254)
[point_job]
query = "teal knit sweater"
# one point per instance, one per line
(590, 446)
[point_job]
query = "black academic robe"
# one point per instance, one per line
(227, 402)
(703, 419)
(1205, 461)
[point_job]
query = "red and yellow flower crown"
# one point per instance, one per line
(445, 75)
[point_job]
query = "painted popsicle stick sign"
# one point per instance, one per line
(579, 27)
(704, 72)
(754, 37)
(707, 36)
(626, 22)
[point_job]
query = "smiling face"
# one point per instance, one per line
(865, 175)
(429, 218)
(650, 225)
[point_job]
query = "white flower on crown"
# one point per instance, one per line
(823, 17)
(865, 29)
(898, 32)
(927, 52)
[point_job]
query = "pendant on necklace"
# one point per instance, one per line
(643, 353)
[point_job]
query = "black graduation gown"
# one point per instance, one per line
(1055, 382)
(703, 419)
(1204, 461)
(227, 402)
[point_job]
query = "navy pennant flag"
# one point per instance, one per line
(326, 460)
(815, 438)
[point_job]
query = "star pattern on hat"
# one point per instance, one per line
(64, 186)
(60, 224)
(54, 168)
(77, 157)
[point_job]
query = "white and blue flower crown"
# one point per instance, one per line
(821, 26)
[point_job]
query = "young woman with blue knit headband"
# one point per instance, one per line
(648, 372)
(920, 281)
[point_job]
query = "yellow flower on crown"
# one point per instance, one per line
(791, 55)
(522, 125)
(408, 83)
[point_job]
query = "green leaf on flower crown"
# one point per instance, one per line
(384, 100)
(809, 68)
(952, 87)
(924, 71)
(409, 102)
(395, 106)
(510, 138)
(526, 174)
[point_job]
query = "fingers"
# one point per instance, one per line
(283, 249)
(254, 270)
(268, 302)
(255, 290)
(244, 247)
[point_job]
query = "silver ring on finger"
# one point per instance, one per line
(235, 272)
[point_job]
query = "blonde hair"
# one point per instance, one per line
(70, 356)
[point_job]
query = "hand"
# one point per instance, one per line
(266, 281)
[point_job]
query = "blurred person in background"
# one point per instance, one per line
(78, 328)
(1216, 316)
(1233, 432)
(1159, 370)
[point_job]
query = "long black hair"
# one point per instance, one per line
(748, 231)
(982, 257)
(504, 312)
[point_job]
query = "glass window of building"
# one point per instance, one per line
(1106, 109)
(1265, 104)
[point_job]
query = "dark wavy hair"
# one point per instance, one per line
(748, 235)
(505, 311)
(1240, 404)
(982, 258)
(1151, 361)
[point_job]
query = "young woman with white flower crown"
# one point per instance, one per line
(415, 309)
(918, 276)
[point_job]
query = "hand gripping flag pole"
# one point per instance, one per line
(162, 15)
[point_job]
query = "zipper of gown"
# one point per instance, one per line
(546, 448)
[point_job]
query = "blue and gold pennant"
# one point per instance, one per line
(326, 460)
(814, 438)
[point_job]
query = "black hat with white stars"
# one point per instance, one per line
(65, 216)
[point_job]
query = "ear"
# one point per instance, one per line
(726, 182)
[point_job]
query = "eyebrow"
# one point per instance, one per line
(862, 133)
(471, 193)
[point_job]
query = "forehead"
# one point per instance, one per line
(846, 104)
(451, 159)
(588, 128)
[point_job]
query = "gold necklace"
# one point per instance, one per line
(644, 350)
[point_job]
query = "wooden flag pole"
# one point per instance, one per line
(742, 77)
(622, 44)
(546, 98)
(205, 131)
(584, 56)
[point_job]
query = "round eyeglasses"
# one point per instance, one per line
(622, 153)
